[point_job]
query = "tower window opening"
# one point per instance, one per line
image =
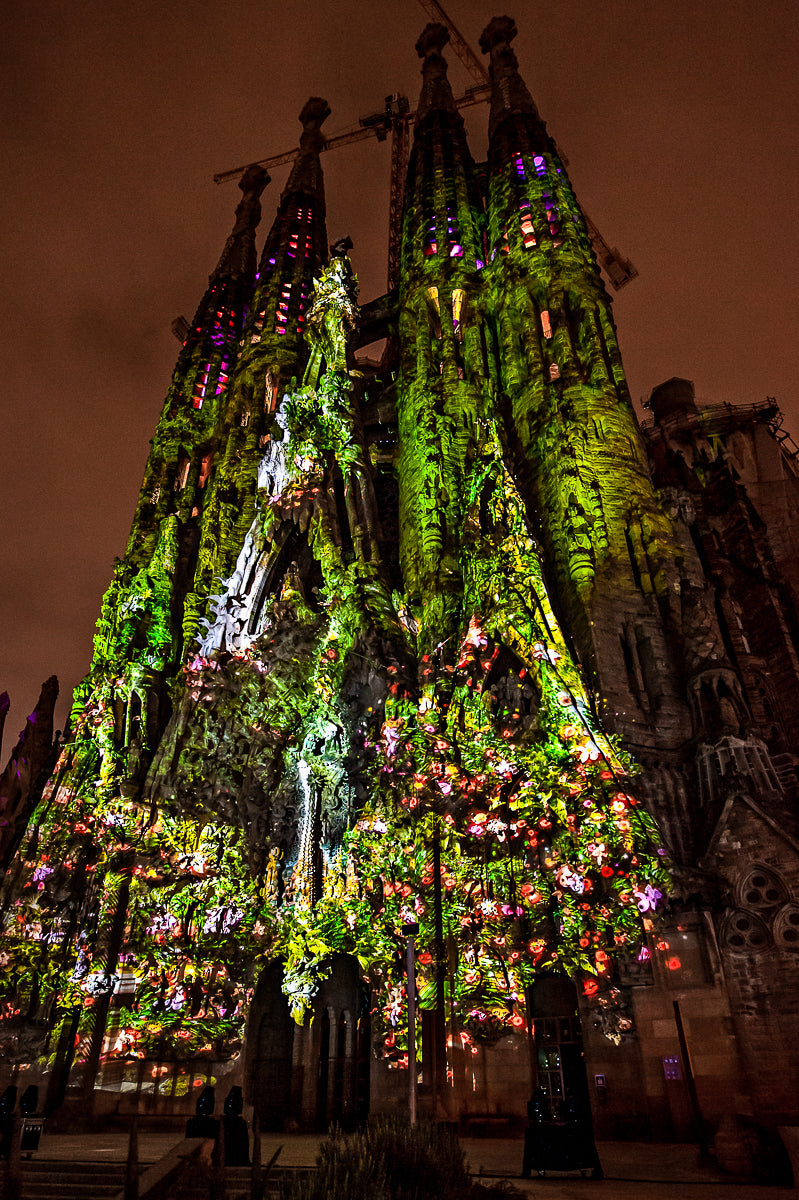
(546, 324)
(245, 418)
(182, 473)
(501, 246)
(270, 392)
(200, 387)
(259, 320)
(540, 166)
(458, 300)
(205, 469)
(526, 226)
(455, 247)
(519, 164)
(431, 243)
(554, 371)
(553, 214)
(435, 310)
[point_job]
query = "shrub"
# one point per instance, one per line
(386, 1160)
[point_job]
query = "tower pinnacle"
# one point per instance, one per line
(238, 257)
(436, 91)
(306, 174)
(509, 94)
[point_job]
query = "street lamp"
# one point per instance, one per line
(411, 929)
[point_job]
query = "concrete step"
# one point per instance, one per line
(238, 1183)
(44, 1179)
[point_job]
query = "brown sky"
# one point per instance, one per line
(679, 121)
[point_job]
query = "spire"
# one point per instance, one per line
(178, 467)
(306, 174)
(238, 257)
(509, 94)
(436, 91)
(295, 249)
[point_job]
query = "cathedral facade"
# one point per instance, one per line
(442, 657)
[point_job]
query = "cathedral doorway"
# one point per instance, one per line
(270, 1044)
(560, 1060)
(314, 1075)
(341, 1038)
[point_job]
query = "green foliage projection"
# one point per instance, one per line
(277, 743)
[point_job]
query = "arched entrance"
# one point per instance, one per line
(270, 1046)
(342, 1043)
(315, 1075)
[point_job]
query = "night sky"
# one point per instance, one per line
(678, 119)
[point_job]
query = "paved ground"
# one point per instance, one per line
(633, 1170)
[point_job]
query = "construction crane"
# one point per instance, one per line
(395, 119)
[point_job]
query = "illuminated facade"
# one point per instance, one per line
(363, 666)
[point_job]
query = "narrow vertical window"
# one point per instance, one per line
(182, 473)
(200, 386)
(205, 469)
(546, 324)
(435, 310)
(458, 301)
(270, 392)
(453, 235)
(430, 242)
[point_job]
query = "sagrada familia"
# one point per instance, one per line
(444, 647)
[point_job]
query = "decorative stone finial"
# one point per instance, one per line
(499, 31)
(254, 179)
(509, 94)
(315, 111)
(433, 39)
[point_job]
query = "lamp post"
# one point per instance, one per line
(411, 929)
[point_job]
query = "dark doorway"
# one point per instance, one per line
(316, 1075)
(344, 1042)
(559, 1043)
(270, 1064)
